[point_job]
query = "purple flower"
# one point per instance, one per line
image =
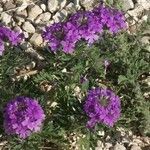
(7, 34)
(22, 116)
(102, 106)
(84, 25)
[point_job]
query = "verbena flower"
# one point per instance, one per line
(9, 35)
(22, 116)
(83, 25)
(102, 106)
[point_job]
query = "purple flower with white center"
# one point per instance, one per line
(23, 116)
(7, 34)
(102, 106)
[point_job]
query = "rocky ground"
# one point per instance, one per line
(31, 16)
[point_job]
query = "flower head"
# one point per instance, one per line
(22, 116)
(7, 34)
(102, 106)
(83, 25)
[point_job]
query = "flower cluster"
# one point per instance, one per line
(85, 25)
(7, 34)
(22, 116)
(102, 106)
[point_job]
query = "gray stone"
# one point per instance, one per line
(19, 20)
(9, 5)
(127, 4)
(119, 147)
(71, 8)
(89, 4)
(13, 23)
(137, 11)
(100, 144)
(33, 12)
(98, 148)
(135, 147)
(45, 17)
(22, 13)
(20, 16)
(36, 39)
(6, 18)
(77, 4)
(26, 34)
(145, 40)
(28, 27)
(17, 28)
(108, 145)
(60, 16)
(43, 7)
(53, 5)
(1, 8)
(62, 4)
(144, 3)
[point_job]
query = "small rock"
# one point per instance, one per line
(26, 34)
(100, 144)
(138, 141)
(62, 3)
(17, 28)
(36, 39)
(101, 133)
(9, 5)
(43, 7)
(144, 18)
(146, 140)
(88, 4)
(127, 4)
(13, 23)
(19, 20)
(1, 8)
(98, 148)
(137, 11)
(135, 147)
(22, 13)
(60, 16)
(43, 17)
(119, 147)
(108, 145)
(71, 8)
(53, 5)
(4, 1)
(6, 18)
(22, 5)
(46, 17)
(28, 27)
(145, 40)
(77, 4)
(144, 3)
(33, 12)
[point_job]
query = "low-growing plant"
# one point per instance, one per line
(115, 62)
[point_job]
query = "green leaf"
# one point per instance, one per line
(122, 79)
